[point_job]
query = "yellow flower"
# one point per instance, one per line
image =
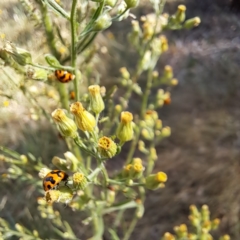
(65, 125)
(84, 119)
(96, 101)
(79, 180)
(107, 147)
(64, 195)
(125, 128)
(155, 181)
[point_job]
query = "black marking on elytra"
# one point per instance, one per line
(50, 179)
(49, 186)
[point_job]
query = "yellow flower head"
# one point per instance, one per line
(84, 119)
(96, 101)
(79, 180)
(155, 181)
(107, 147)
(64, 195)
(65, 125)
(125, 128)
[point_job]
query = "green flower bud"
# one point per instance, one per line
(131, 3)
(72, 161)
(205, 213)
(111, 3)
(21, 56)
(84, 119)
(125, 128)
(155, 181)
(65, 125)
(150, 118)
(166, 132)
(96, 101)
(215, 223)
(110, 197)
(181, 231)
(168, 236)
(180, 14)
(52, 61)
(192, 22)
(60, 163)
(107, 147)
(103, 22)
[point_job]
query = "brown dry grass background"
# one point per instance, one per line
(201, 158)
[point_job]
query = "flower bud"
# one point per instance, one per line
(21, 56)
(84, 119)
(166, 132)
(174, 82)
(180, 14)
(225, 237)
(205, 213)
(192, 22)
(66, 126)
(153, 154)
(125, 128)
(168, 236)
(168, 72)
(215, 223)
(96, 101)
(111, 3)
(72, 161)
(103, 22)
(125, 73)
(126, 170)
(110, 197)
(121, 11)
(147, 134)
(52, 61)
(150, 118)
(194, 211)
(164, 43)
(107, 147)
(60, 163)
(154, 181)
(79, 180)
(181, 230)
(136, 170)
(146, 60)
(131, 3)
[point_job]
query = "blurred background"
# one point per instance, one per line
(202, 156)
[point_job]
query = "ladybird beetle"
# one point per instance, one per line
(64, 76)
(53, 178)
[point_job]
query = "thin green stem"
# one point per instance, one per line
(63, 92)
(133, 146)
(131, 228)
(147, 92)
(49, 31)
(73, 22)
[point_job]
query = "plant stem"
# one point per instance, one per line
(131, 228)
(49, 31)
(133, 146)
(73, 22)
(147, 92)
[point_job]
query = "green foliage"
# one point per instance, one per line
(92, 138)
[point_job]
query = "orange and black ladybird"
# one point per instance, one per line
(53, 178)
(64, 76)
